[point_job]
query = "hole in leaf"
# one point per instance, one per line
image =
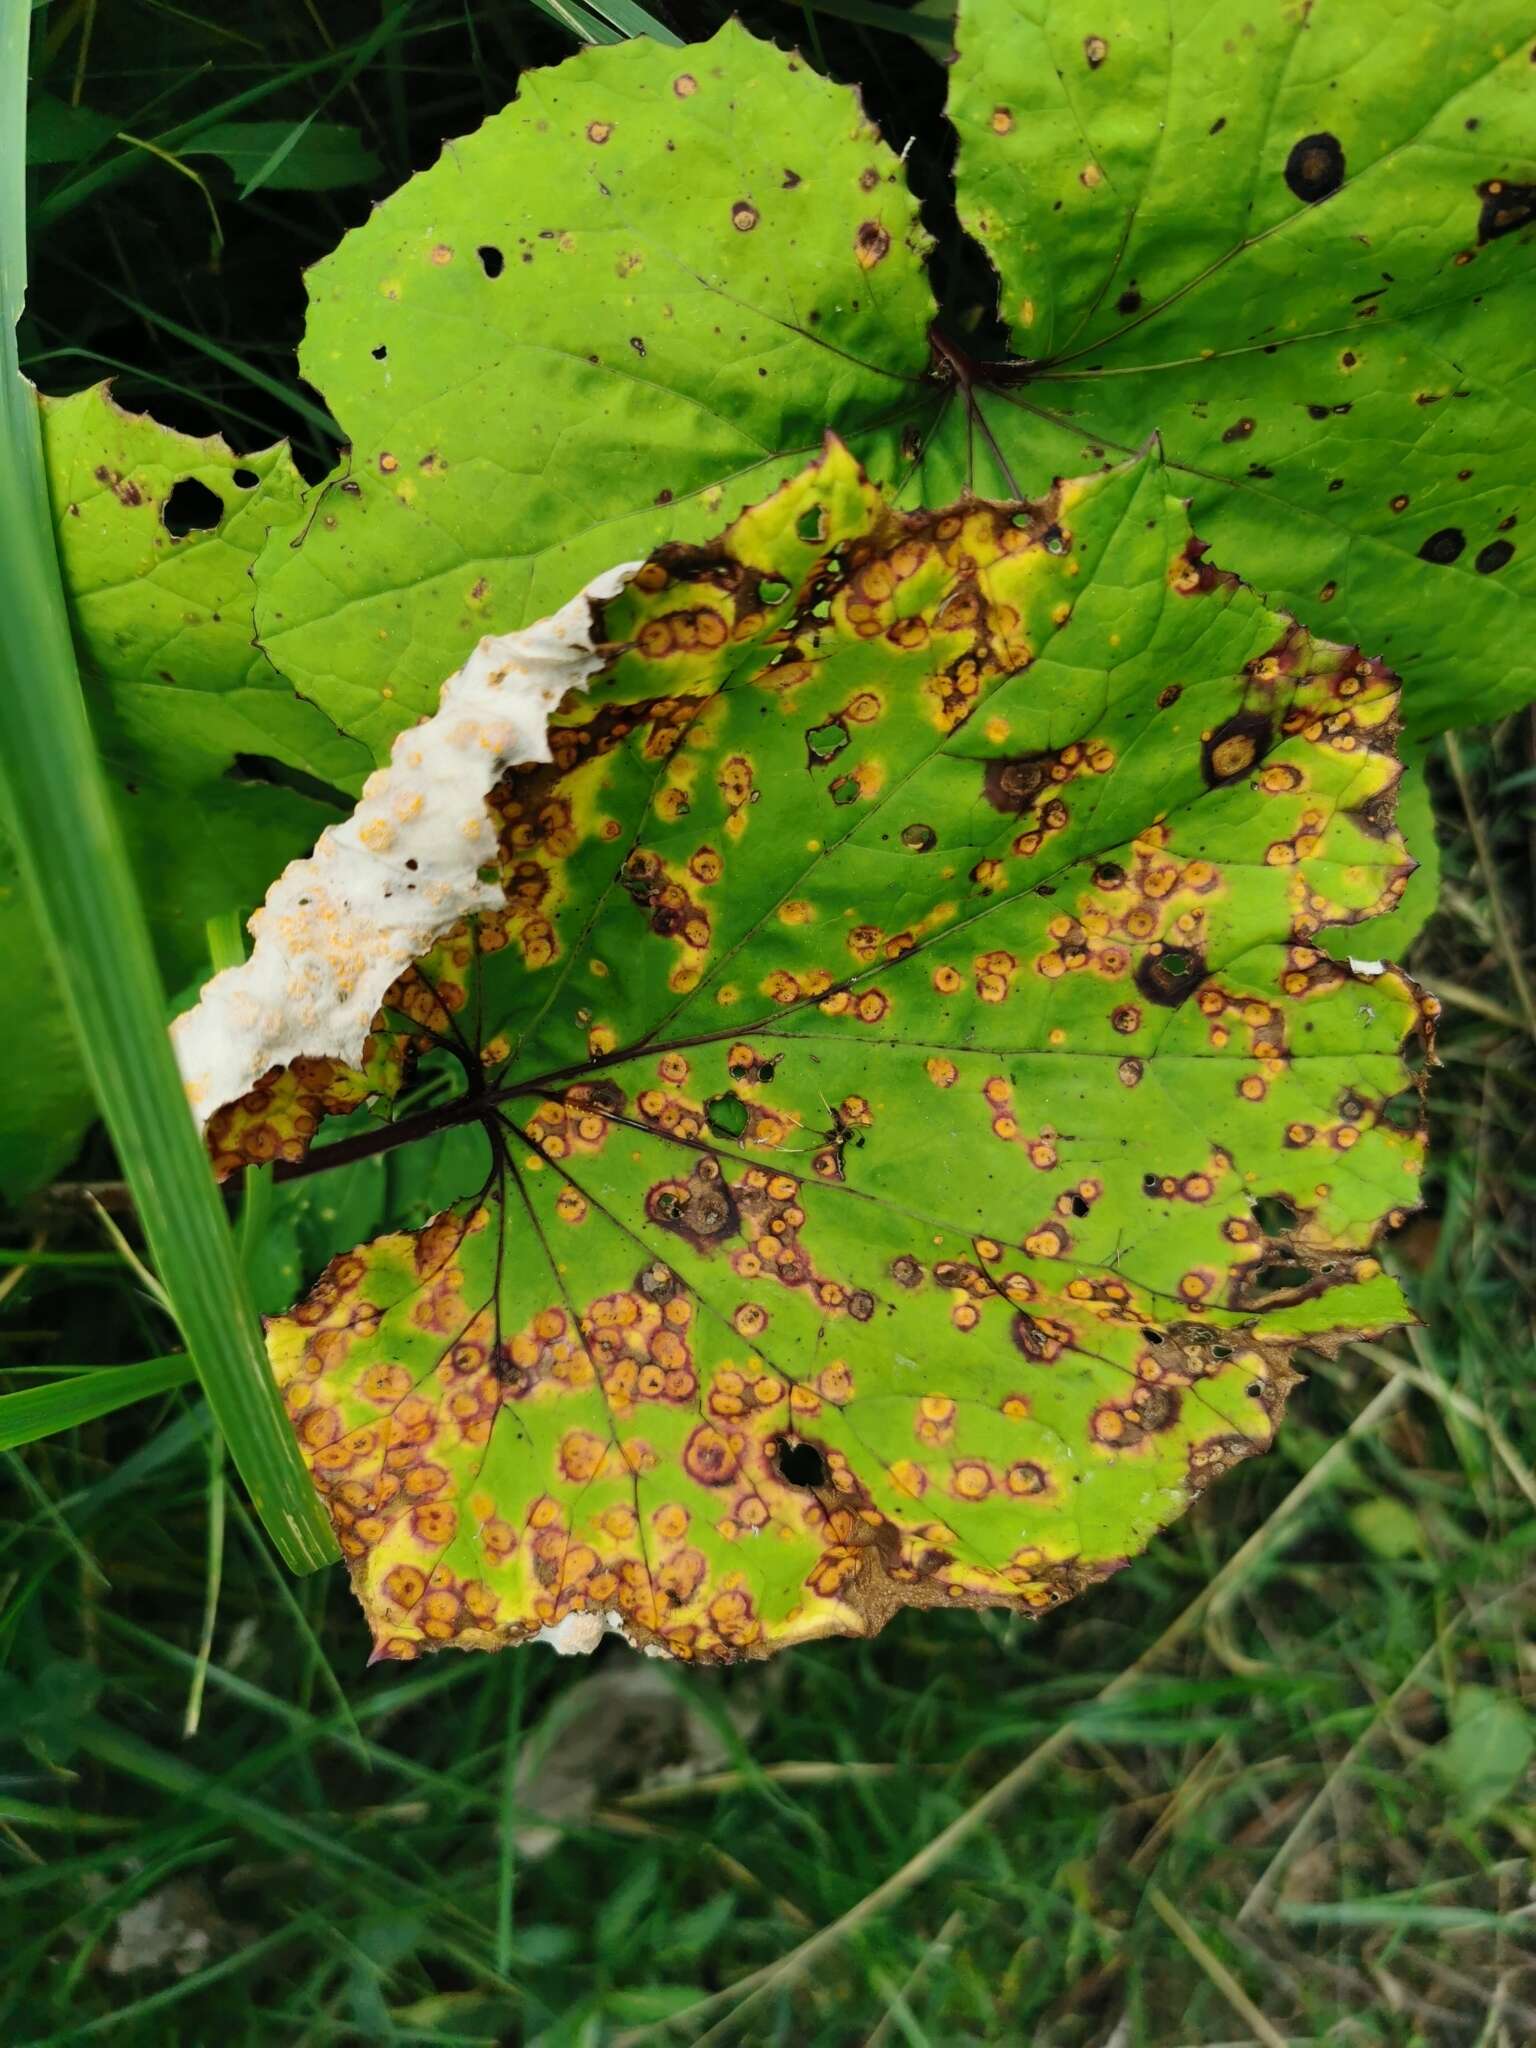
(800, 1464)
(772, 590)
(379, 353)
(244, 479)
(812, 523)
(492, 262)
(1079, 1206)
(726, 1115)
(191, 508)
(1271, 1279)
(1274, 1214)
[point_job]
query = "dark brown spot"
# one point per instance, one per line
(1493, 557)
(1128, 301)
(1505, 207)
(1234, 747)
(1444, 546)
(1315, 167)
(744, 217)
(1170, 695)
(1095, 50)
(871, 244)
(1030, 1338)
(1171, 975)
(1157, 1408)
(1239, 430)
(1011, 786)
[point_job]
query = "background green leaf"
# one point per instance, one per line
(1281, 244)
(287, 156)
(220, 773)
(1488, 1751)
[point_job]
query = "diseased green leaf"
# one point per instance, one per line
(635, 299)
(189, 716)
(1298, 247)
(909, 1165)
(628, 305)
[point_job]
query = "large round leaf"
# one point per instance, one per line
(920, 1125)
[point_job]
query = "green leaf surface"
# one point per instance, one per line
(58, 133)
(1489, 1749)
(905, 1000)
(190, 718)
(288, 156)
(629, 304)
(635, 299)
(1298, 246)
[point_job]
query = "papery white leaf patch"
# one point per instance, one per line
(341, 925)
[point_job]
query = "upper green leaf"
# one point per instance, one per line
(1297, 246)
(920, 1125)
(636, 298)
(659, 276)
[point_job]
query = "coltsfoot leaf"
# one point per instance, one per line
(920, 1125)
(658, 276)
(1299, 252)
(1298, 246)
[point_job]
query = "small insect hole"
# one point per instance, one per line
(492, 262)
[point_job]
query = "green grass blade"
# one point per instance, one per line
(573, 16)
(925, 24)
(72, 859)
(45, 1411)
(634, 21)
